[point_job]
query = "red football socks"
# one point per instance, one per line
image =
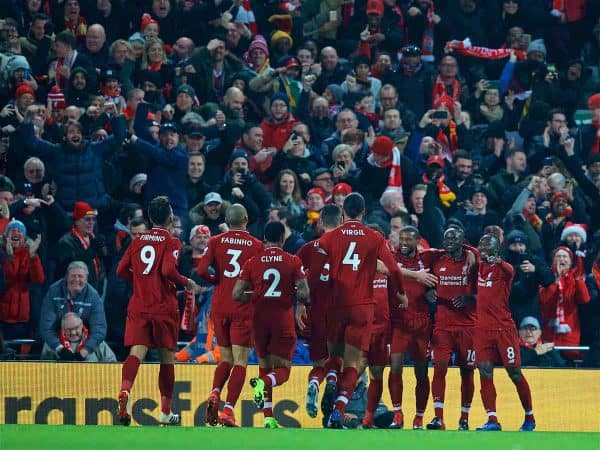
(166, 383)
(438, 389)
(396, 388)
(317, 374)
(346, 387)
(221, 374)
(374, 394)
(129, 372)
(488, 397)
(268, 408)
(422, 394)
(525, 397)
(277, 376)
(467, 390)
(235, 385)
(333, 366)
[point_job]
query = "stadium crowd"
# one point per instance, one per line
(477, 114)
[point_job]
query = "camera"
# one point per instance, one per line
(439, 115)
(243, 173)
(340, 165)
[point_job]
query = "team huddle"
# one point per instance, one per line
(364, 304)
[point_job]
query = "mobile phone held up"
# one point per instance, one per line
(439, 115)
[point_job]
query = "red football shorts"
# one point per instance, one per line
(352, 325)
(233, 331)
(498, 346)
(317, 346)
(378, 353)
(274, 338)
(412, 337)
(152, 330)
(457, 341)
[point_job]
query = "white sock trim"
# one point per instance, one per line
(217, 390)
(343, 399)
(268, 405)
(228, 405)
(314, 381)
(398, 408)
(420, 414)
(438, 404)
(331, 374)
(273, 379)
(491, 413)
(529, 413)
(465, 409)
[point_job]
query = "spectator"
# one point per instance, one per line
(560, 301)
(534, 352)
(516, 165)
(293, 239)
(21, 267)
(278, 125)
(196, 187)
(477, 216)
(287, 194)
(73, 338)
(73, 294)
(211, 212)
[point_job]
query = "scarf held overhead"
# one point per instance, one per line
(395, 177)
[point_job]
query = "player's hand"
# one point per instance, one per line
(191, 285)
(461, 301)
(403, 300)
(431, 296)
(382, 268)
(425, 278)
(301, 316)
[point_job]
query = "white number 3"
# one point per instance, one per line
(148, 255)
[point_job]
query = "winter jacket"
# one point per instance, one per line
(78, 172)
(276, 134)
(87, 304)
(102, 353)
(20, 271)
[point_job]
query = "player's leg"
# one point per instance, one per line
(399, 344)
(488, 395)
(129, 371)
(442, 346)
(166, 383)
(465, 349)
(318, 353)
(373, 394)
(421, 371)
(315, 377)
(333, 367)
(346, 384)
(222, 371)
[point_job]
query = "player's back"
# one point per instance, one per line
(352, 250)
(273, 274)
(415, 291)
(317, 272)
(493, 290)
(148, 253)
(227, 253)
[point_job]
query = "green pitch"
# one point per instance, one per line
(67, 437)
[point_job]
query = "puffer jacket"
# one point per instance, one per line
(78, 172)
(20, 271)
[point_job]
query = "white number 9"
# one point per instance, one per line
(148, 255)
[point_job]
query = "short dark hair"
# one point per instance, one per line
(274, 232)
(461, 154)
(331, 215)
(411, 229)
(510, 153)
(284, 214)
(127, 212)
(40, 16)
(249, 127)
(66, 37)
(137, 221)
(555, 111)
(403, 215)
(159, 210)
(72, 123)
(354, 205)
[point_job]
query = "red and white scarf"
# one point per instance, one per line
(395, 177)
(439, 90)
(67, 344)
(427, 40)
(86, 244)
(465, 48)
(245, 15)
(596, 143)
(449, 144)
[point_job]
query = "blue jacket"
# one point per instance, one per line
(167, 173)
(78, 172)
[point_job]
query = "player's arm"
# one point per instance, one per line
(204, 262)
(385, 255)
(124, 269)
(169, 267)
(303, 298)
(241, 291)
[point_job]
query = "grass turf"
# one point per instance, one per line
(67, 437)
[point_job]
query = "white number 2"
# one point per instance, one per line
(351, 258)
(272, 290)
(235, 254)
(148, 255)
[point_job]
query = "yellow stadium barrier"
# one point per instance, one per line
(85, 393)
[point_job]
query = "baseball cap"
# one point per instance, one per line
(530, 321)
(199, 229)
(194, 130)
(168, 126)
(411, 50)
(213, 197)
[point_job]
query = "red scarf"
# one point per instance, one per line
(395, 177)
(596, 273)
(596, 144)
(427, 41)
(79, 29)
(67, 344)
(347, 12)
(449, 146)
(533, 219)
(445, 194)
(529, 346)
(465, 48)
(86, 244)
(155, 66)
(439, 90)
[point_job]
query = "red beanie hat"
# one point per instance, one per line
(342, 188)
(24, 88)
(82, 209)
(558, 195)
(446, 101)
(146, 20)
(382, 145)
(57, 98)
(594, 101)
(318, 191)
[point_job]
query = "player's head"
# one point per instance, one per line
(275, 233)
(408, 239)
(160, 211)
(354, 206)
(331, 216)
(236, 216)
(489, 246)
(454, 239)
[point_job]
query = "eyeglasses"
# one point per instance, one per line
(324, 179)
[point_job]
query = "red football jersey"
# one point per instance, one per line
(493, 289)
(272, 276)
(353, 250)
(315, 266)
(417, 305)
(454, 279)
(381, 319)
(227, 253)
(150, 263)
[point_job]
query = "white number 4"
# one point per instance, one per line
(148, 255)
(351, 258)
